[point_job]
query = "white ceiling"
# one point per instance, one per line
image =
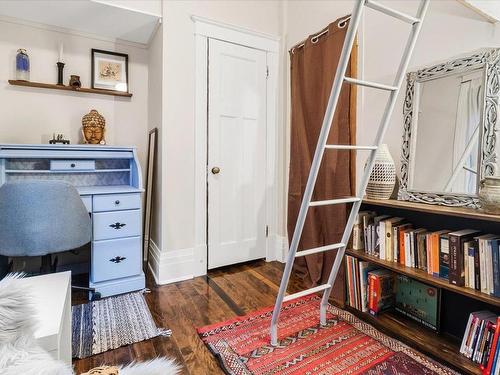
(85, 16)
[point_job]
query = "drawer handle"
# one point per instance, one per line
(117, 202)
(73, 165)
(117, 259)
(117, 225)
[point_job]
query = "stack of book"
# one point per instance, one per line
(480, 341)
(368, 289)
(465, 257)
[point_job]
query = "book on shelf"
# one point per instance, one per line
(496, 266)
(432, 246)
(480, 341)
(418, 301)
(388, 225)
(378, 232)
(359, 229)
(444, 255)
(456, 274)
(402, 244)
(357, 282)
(380, 290)
(485, 244)
(396, 240)
(466, 258)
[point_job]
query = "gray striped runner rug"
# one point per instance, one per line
(112, 322)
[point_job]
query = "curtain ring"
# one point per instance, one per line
(342, 23)
(315, 38)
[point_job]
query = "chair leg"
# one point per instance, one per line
(46, 266)
(4, 266)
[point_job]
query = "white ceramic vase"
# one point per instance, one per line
(489, 195)
(383, 176)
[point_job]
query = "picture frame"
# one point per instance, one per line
(150, 179)
(109, 70)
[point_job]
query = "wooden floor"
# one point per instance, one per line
(221, 295)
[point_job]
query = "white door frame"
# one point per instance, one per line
(205, 29)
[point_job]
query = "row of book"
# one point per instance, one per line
(465, 257)
(480, 342)
(369, 289)
(374, 290)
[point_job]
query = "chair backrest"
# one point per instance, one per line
(41, 217)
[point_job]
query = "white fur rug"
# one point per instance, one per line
(19, 352)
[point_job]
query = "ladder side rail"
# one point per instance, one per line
(318, 155)
(403, 66)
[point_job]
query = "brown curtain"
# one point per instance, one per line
(313, 69)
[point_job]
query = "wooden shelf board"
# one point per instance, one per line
(68, 88)
(424, 277)
(440, 346)
(434, 209)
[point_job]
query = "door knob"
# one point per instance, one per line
(215, 170)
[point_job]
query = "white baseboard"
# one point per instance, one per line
(184, 264)
(277, 248)
(281, 248)
(172, 266)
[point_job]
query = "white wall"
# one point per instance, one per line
(155, 95)
(178, 119)
(179, 97)
(31, 115)
(449, 29)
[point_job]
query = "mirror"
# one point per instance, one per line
(449, 141)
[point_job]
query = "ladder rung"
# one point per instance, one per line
(319, 249)
(350, 147)
(391, 12)
(374, 85)
(306, 292)
(335, 201)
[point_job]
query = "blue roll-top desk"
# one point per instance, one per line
(109, 181)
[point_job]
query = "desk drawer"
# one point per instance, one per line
(116, 224)
(87, 202)
(113, 259)
(114, 202)
(72, 165)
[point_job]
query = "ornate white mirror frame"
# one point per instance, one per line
(489, 61)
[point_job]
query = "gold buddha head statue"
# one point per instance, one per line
(93, 128)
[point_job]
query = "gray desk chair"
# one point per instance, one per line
(40, 218)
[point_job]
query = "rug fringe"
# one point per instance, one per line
(164, 332)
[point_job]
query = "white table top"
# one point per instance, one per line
(49, 293)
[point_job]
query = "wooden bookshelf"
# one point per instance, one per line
(456, 302)
(438, 346)
(463, 212)
(424, 277)
(51, 86)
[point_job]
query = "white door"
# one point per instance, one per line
(236, 154)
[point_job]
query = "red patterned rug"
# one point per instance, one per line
(346, 345)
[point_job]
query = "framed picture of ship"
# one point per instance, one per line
(418, 301)
(109, 70)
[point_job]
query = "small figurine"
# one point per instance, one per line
(93, 128)
(74, 82)
(59, 138)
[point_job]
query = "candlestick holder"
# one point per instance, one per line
(60, 68)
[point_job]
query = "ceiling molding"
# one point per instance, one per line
(488, 9)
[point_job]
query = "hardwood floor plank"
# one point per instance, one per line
(184, 306)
